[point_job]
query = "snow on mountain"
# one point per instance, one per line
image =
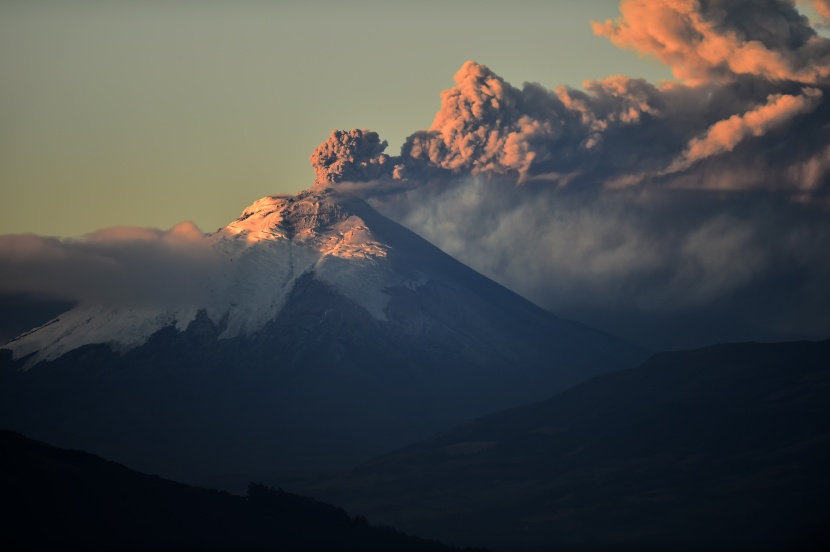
(323, 334)
(275, 241)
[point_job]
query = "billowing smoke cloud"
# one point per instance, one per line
(725, 135)
(720, 40)
(120, 266)
(755, 76)
(356, 155)
(674, 214)
(612, 102)
(485, 125)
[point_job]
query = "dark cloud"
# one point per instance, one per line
(355, 155)
(119, 266)
(664, 267)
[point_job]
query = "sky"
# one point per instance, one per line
(659, 169)
(152, 112)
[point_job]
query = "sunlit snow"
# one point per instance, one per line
(262, 254)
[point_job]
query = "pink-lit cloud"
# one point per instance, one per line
(482, 127)
(720, 40)
(725, 135)
(822, 8)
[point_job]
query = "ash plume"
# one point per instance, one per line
(354, 155)
(632, 205)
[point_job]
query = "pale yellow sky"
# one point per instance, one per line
(153, 112)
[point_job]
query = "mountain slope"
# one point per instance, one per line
(328, 334)
(724, 447)
(58, 499)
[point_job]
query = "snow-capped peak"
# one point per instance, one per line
(310, 218)
(259, 257)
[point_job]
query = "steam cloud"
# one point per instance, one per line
(674, 214)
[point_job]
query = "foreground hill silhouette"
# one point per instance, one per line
(726, 447)
(57, 499)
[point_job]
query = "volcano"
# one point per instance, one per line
(325, 335)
